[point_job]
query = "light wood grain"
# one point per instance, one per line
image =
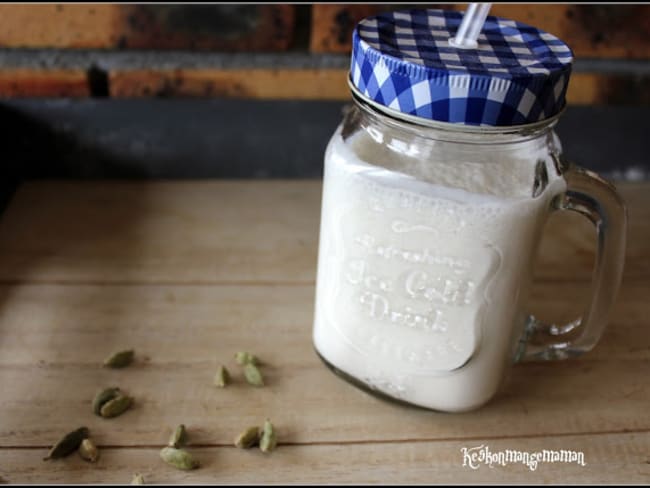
(311, 404)
(156, 232)
(199, 324)
(621, 458)
(225, 232)
(53, 339)
(189, 273)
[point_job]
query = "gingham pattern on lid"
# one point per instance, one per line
(517, 75)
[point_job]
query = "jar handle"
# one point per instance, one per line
(589, 195)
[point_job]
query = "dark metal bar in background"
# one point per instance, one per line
(220, 138)
(143, 59)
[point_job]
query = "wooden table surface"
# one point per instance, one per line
(189, 272)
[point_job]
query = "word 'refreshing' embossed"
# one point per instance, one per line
(424, 256)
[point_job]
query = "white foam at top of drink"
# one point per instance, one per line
(500, 171)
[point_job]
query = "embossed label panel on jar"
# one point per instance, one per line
(409, 277)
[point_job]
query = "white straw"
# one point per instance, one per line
(470, 27)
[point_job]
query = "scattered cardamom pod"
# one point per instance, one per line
(138, 479)
(222, 378)
(67, 444)
(116, 406)
(179, 458)
(244, 357)
(253, 375)
(119, 359)
(88, 451)
(178, 437)
(267, 439)
(248, 438)
(102, 397)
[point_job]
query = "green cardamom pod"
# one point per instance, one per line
(178, 437)
(248, 438)
(253, 375)
(246, 358)
(116, 406)
(222, 378)
(138, 479)
(88, 451)
(267, 439)
(102, 397)
(67, 444)
(179, 458)
(119, 359)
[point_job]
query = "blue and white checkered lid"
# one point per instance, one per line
(403, 60)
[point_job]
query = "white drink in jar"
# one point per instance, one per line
(437, 186)
(423, 265)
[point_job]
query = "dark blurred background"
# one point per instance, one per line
(255, 91)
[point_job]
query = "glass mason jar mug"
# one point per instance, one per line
(428, 235)
(437, 186)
